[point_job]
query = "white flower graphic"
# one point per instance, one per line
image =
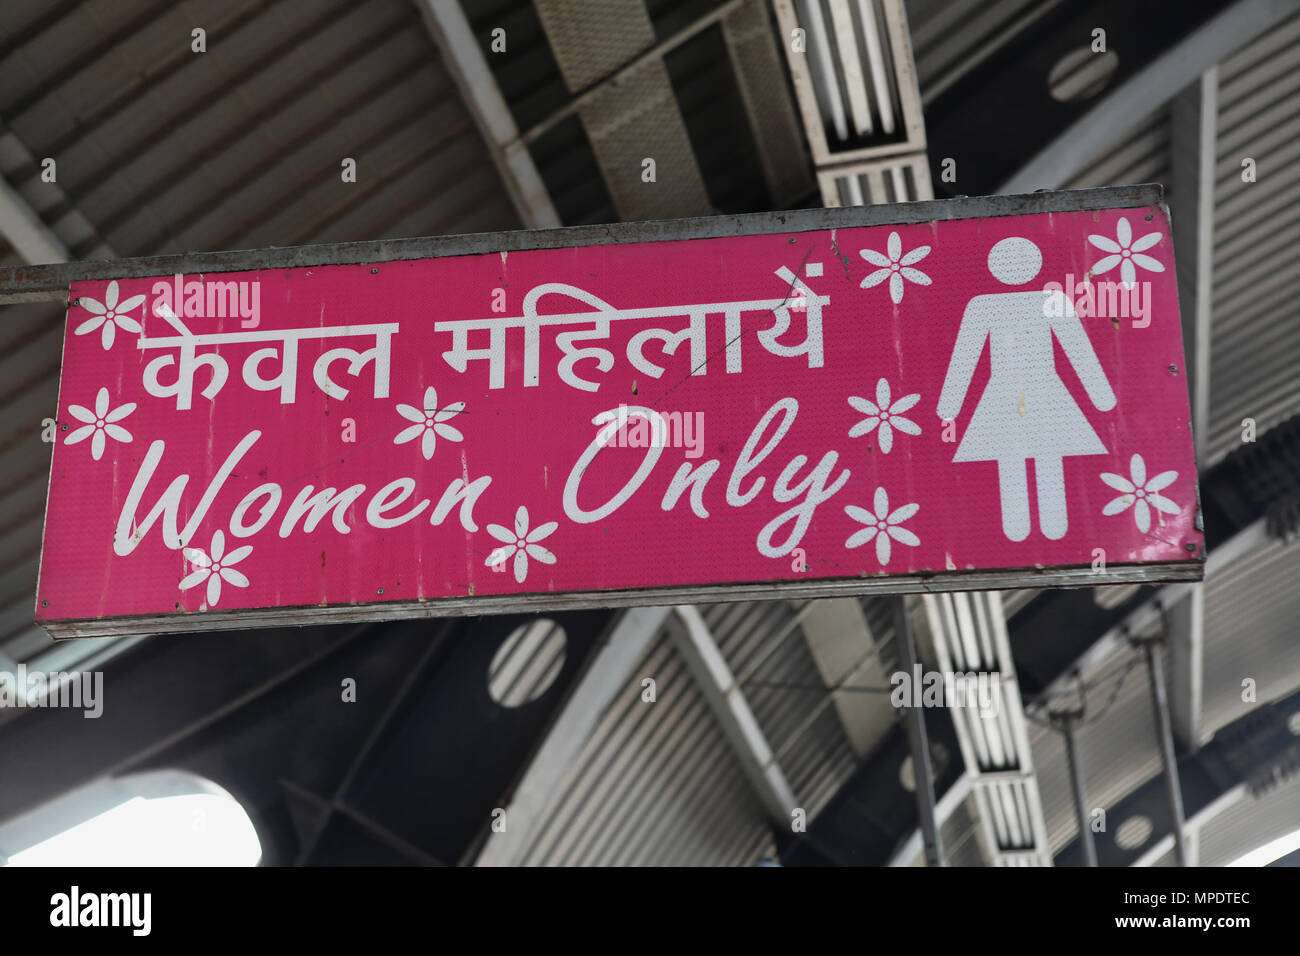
(1126, 253)
(882, 526)
(885, 415)
(109, 314)
(895, 267)
(429, 423)
(521, 543)
(99, 423)
(1140, 494)
(214, 569)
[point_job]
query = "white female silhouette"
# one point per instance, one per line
(1025, 411)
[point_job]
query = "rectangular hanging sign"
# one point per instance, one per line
(981, 393)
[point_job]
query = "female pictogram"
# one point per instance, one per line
(1026, 412)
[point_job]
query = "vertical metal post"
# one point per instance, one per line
(1080, 801)
(1160, 701)
(916, 738)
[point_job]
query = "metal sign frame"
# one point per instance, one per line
(36, 283)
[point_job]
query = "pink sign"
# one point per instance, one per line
(950, 404)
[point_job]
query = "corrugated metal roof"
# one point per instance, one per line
(1255, 351)
(161, 149)
(167, 150)
(951, 37)
(959, 835)
(656, 784)
(767, 651)
(31, 339)
(1250, 823)
(624, 801)
(1249, 606)
(1117, 747)
(1141, 156)
(1250, 612)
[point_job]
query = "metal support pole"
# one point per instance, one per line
(1067, 722)
(1160, 701)
(916, 738)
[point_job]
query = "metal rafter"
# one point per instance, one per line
(607, 673)
(704, 660)
(1147, 616)
(464, 59)
(1194, 145)
(1155, 84)
(844, 650)
(25, 231)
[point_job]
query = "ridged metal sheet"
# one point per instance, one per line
(951, 37)
(1117, 752)
(1255, 350)
(1014, 601)
(630, 121)
(639, 120)
(31, 338)
(1250, 612)
(656, 784)
(592, 40)
(1250, 823)
(769, 656)
(161, 149)
(167, 150)
(760, 76)
(1250, 609)
(1141, 155)
(736, 113)
(960, 836)
(527, 662)
(879, 612)
(625, 799)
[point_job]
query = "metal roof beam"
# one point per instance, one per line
(694, 641)
(1157, 82)
(464, 60)
(1148, 614)
(844, 650)
(604, 677)
(1194, 146)
(636, 119)
(24, 230)
(1252, 756)
(658, 51)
